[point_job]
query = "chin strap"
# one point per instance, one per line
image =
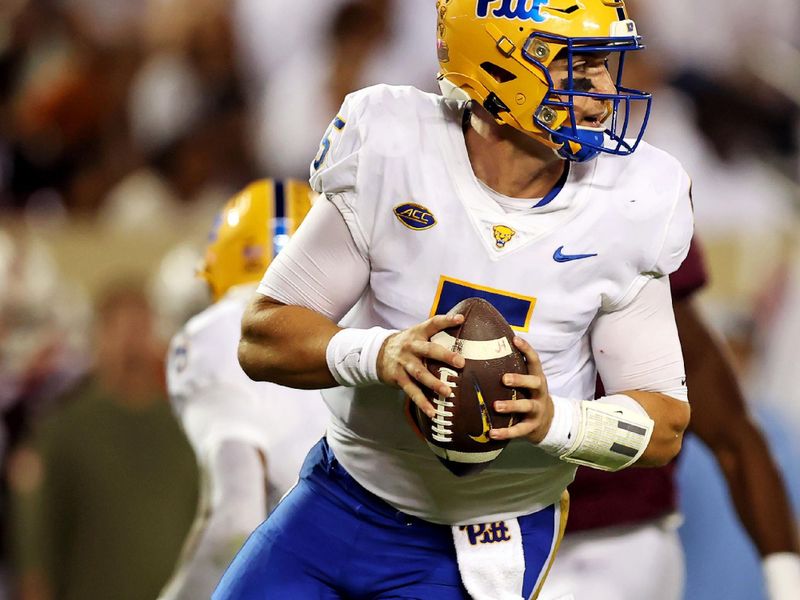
(452, 91)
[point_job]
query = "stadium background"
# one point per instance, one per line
(124, 125)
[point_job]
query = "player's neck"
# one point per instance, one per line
(508, 161)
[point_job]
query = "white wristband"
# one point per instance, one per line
(352, 355)
(609, 433)
(564, 426)
(782, 575)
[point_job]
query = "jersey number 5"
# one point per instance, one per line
(337, 125)
(515, 308)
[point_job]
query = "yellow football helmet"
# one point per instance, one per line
(250, 231)
(497, 53)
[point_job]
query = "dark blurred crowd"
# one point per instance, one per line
(134, 116)
(81, 108)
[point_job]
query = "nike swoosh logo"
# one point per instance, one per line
(560, 257)
(483, 438)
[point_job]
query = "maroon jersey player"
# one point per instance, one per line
(622, 542)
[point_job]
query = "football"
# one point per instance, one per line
(459, 433)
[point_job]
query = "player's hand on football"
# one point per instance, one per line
(536, 414)
(400, 360)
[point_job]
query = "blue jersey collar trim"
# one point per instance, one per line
(551, 195)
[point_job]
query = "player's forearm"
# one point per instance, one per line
(758, 493)
(754, 482)
(670, 420)
(722, 422)
(286, 345)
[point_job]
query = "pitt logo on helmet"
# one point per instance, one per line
(513, 9)
(414, 216)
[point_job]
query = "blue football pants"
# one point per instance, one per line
(329, 538)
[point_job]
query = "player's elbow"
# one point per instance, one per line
(254, 352)
(247, 359)
(256, 358)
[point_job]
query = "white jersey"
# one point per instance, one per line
(215, 401)
(395, 164)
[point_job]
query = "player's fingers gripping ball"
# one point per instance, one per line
(458, 433)
(536, 413)
(401, 360)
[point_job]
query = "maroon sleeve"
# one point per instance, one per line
(691, 275)
(599, 499)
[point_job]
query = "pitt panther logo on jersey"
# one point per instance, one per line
(487, 533)
(502, 235)
(526, 10)
(414, 216)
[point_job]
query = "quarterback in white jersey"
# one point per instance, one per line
(430, 200)
(249, 445)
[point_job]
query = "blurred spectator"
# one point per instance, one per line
(42, 345)
(187, 113)
(175, 290)
(64, 101)
(362, 44)
(717, 37)
(734, 58)
(406, 57)
(287, 21)
(776, 369)
(105, 491)
(95, 96)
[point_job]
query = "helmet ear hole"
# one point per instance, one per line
(499, 74)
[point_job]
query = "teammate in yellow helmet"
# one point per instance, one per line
(250, 231)
(248, 458)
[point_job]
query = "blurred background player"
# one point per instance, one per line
(249, 438)
(364, 42)
(104, 490)
(622, 537)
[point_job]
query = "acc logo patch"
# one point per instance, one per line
(526, 10)
(414, 216)
(502, 235)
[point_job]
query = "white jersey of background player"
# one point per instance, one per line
(414, 221)
(249, 446)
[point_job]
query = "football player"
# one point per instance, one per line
(622, 542)
(249, 445)
(518, 184)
